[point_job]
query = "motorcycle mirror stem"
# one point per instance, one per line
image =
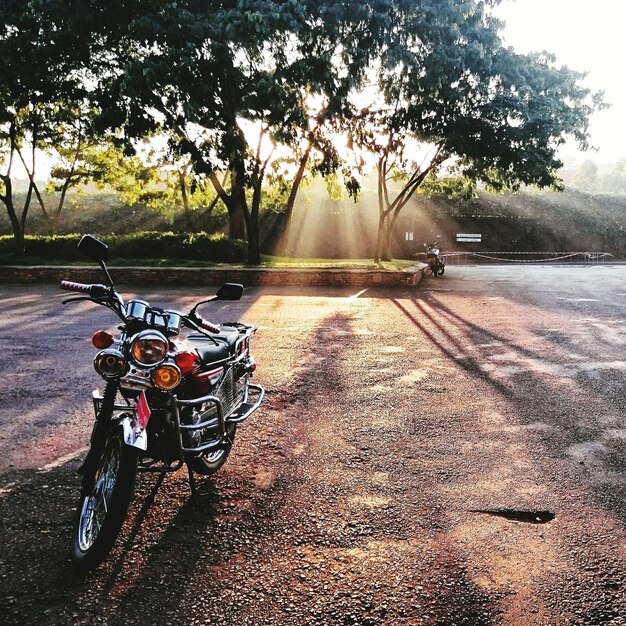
(228, 291)
(195, 307)
(106, 273)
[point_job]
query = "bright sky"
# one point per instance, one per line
(587, 37)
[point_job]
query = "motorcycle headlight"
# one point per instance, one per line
(166, 376)
(149, 347)
(110, 363)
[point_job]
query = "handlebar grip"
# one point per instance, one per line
(68, 285)
(212, 328)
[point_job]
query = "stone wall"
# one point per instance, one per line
(212, 276)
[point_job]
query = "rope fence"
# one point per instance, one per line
(509, 257)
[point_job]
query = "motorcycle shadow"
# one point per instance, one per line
(164, 535)
(36, 515)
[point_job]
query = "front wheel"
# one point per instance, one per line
(104, 502)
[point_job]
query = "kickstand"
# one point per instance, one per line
(192, 485)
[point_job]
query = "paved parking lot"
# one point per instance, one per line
(452, 454)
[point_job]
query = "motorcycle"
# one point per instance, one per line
(436, 262)
(168, 401)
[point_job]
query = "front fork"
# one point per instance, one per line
(99, 434)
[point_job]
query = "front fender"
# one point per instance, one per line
(134, 434)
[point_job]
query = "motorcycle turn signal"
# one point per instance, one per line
(101, 339)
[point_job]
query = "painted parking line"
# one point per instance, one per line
(63, 460)
(356, 295)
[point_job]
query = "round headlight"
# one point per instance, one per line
(166, 376)
(110, 363)
(149, 347)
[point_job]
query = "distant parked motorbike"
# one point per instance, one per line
(436, 262)
(168, 401)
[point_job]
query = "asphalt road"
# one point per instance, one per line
(451, 454)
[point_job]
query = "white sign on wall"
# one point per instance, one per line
(468, 237)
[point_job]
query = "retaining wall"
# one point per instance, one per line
(212, 276)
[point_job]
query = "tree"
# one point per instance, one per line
(586, 176)
(451, 93)
(39, 65)
(615, 181)
(207, 73)
(150, 177)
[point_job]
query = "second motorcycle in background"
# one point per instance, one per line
(436, 261)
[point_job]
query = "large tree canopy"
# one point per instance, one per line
(450, 92)
(233, 84)
(204, 72)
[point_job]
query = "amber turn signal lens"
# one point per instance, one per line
(101, 339)
(166, 377)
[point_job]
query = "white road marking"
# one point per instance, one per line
(7, 489)
(356, 295)
(63, 460)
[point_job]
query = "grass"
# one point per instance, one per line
(361, 264)
(266, 262)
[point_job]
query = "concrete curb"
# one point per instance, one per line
(188, 276)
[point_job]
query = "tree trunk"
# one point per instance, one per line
(291, 201)
(385, 253)
(16, 226)
(254, 245)
(183, 191)
(378, 254)
(236, 221)
(237, 209)
(56, 217)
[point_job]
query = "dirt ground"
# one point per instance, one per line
(452, 455)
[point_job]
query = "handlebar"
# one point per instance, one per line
(68, 285)
(212, 328)
(100, 292)
(94, 291)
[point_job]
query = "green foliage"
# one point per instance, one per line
(155, 179)
(455, 188)
(334, 187)
(44, 71)
(137, 246)
(203, 75)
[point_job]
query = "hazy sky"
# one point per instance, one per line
(586, 36)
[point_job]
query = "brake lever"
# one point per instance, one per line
(100, 300)
(76, 299)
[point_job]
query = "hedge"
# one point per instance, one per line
(142, 245)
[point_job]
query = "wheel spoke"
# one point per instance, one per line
(96, 504)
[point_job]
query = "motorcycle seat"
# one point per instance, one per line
(208, 351)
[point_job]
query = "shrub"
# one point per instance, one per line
(54, 247)
(141, 245)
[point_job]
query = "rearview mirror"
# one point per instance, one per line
(93, 248)
(229, 291)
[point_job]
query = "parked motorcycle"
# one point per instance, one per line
(436, 262)
(169, 400)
